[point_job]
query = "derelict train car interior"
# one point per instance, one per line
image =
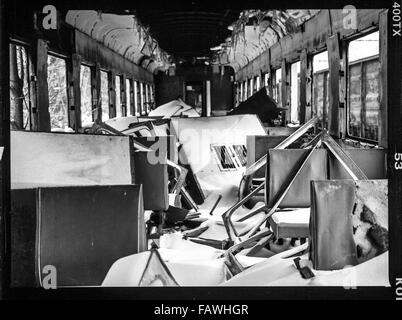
(198, 147)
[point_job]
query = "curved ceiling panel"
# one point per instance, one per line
(256, 30)
(121, 33)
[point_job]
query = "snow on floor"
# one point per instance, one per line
(280, 270)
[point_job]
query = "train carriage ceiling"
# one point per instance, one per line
(124, 35)
(159, 39)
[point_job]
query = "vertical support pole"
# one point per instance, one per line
(32, 89)
(146, 98)
(141, 98)
(111, 77)
(96, 92)
(343, 116)
(136, 100)
(285, 91)
(309, 88)
(42, 115)
(271, 81)
(303, 86)
(74, 91)
(383, 116)
(123, 96)
(132, 99)
(333, 45)
(5, 269)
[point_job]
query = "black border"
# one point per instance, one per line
(221, 293)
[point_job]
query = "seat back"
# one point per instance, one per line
(80, 231)
(281, 167)
(348, 222)
(372, 162)
(40, 159)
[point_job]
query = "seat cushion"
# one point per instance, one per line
(291, 223)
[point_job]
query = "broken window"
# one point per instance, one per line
(104, 95)
(57, 87)
(363, 87)
(230, 157)
(20, 114)
(320, 88)
(294, 92)
(86, 95)
(118, 97)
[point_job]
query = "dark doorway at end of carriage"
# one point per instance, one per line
(194, 94)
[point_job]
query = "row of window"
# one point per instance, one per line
(139, 96)
(363, 78)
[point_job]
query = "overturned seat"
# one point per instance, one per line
(78, 231)
(290, 223)
(74, 206)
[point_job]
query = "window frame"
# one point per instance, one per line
(347, 93)
(361, 62)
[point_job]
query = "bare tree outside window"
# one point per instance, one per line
(19, 88)
(57, 84)
(86, 95)
(104, 96)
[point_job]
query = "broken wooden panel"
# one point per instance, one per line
(152, 173)
(333, 45)
(356, 212)
(81, 231)
(58, 159)
(371, 161)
